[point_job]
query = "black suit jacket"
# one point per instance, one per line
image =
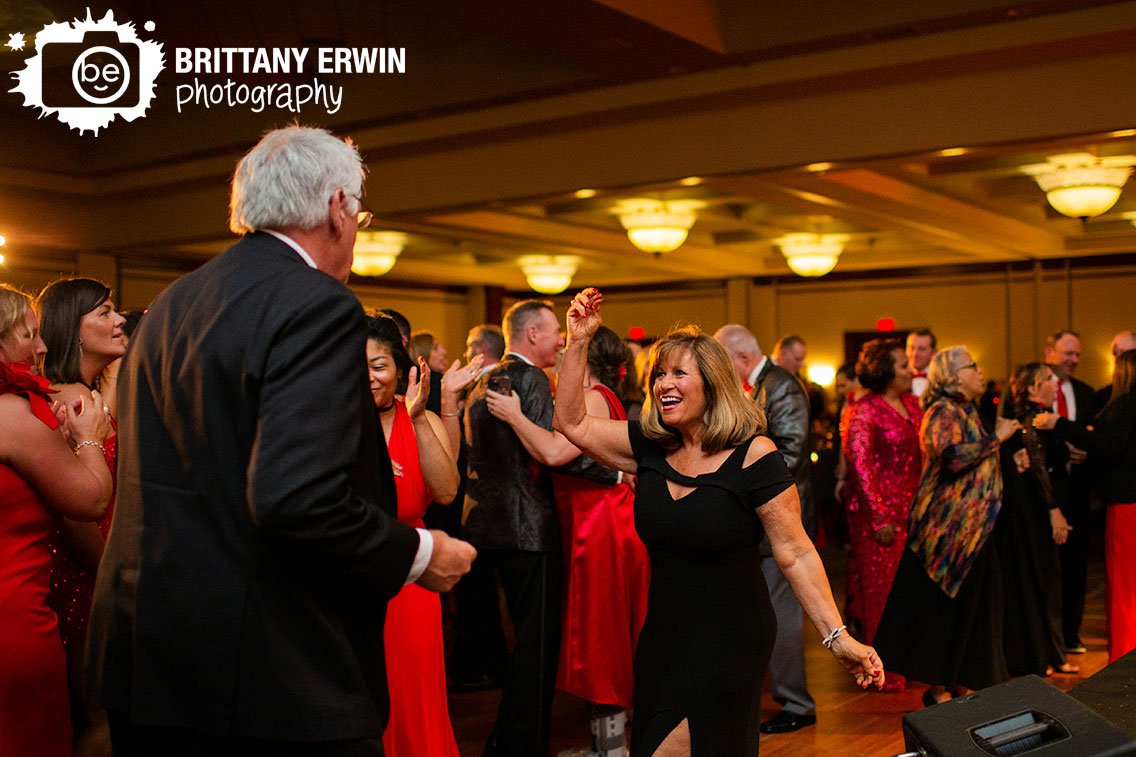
(508, 499)
(244, 584)
(786, 404)
(1081, 474)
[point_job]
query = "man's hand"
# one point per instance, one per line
(1021, 460)
(450, 561)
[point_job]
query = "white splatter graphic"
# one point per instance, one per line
(99, 69)
(16, 41)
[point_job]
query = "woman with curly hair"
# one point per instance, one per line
(880, 440)
(943, 620)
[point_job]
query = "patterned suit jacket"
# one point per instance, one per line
(508, 500)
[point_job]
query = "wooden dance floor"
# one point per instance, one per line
(849, 722)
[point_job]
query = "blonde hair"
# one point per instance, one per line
(14, 306)
(730, 419)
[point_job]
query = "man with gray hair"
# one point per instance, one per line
(783, 398)
(240, 603)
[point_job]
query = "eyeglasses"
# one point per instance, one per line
(363, 217)
(971, 364)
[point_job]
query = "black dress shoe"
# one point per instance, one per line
(786, 722)
(482, 682)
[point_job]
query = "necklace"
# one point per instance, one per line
(387, 408)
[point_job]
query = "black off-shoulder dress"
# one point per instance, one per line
(706, 642)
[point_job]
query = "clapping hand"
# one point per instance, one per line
(418, 389)
(1045, 421)
(584, 314)
(457, 377)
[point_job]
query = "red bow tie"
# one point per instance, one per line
(920, 374)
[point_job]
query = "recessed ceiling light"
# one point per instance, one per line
(584, 194)
(952, 152)
(818, 167)
(1124, 133)
(691, 181)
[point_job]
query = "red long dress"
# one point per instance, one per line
(35, 718)
(884, 469)
(419, 723)
(607, 573)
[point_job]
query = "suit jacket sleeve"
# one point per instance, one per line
(787, 421)
(303, 477)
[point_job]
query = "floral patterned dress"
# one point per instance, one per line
(943, 620)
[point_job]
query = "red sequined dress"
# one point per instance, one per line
(881, 448)
(72, 583)
(35, 718)
(607, 574)
(419, 723)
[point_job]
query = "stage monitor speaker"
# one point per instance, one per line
(1025, 716)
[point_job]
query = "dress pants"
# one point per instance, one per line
(787, 665)
(533, 589)
(132, 740)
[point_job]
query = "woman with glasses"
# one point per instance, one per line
(943, 620)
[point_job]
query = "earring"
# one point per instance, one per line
(80, 346)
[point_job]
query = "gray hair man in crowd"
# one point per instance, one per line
(783, 397)
(240, 603)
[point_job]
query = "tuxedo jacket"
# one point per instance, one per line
(508, 500)
(786, 404)
(1081, 476)
(254, 545)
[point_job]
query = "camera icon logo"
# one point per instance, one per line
(99, 71)
(90, 72)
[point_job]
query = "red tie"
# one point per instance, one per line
(746, 387)
(920, 374)
(1062, 405)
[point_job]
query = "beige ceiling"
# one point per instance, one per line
(905, 128)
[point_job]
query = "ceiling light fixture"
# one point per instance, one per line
(549, 274)
(1080, 185)
(655, 226)
(377, 251)
(811, 254)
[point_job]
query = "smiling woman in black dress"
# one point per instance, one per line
(708, 489)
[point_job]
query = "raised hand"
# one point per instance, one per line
(457, 377)
(584, 314)
(418, 389)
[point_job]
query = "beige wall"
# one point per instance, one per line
(1002, 317)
